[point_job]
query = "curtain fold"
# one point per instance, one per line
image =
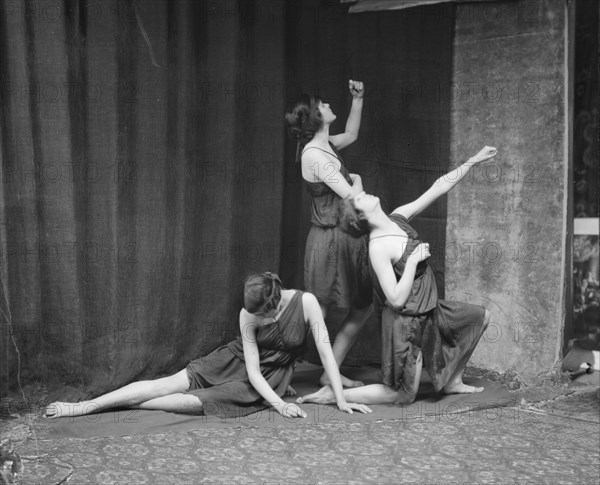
(132, 206)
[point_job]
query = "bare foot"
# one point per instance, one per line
(290, 391)
(322, 396)
(461, 388)
(324, 381)
(69, 409)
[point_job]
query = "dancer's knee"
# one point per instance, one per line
(178, 382)
(405, 397)
(164, 386)
(193, 405)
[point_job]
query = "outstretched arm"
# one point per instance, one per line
(248, 329)
(444, 184)
(396, 292)
(350, 134)
(312, 312)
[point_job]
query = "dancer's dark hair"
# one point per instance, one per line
(262, 292)
(303, 120)
(350, 220)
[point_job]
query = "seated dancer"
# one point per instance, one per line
(244, 376)
(417, 328)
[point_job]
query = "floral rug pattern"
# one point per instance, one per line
(500, 446)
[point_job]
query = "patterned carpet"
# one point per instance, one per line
(501, 446)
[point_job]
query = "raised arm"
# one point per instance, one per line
(444, 184)
(350, 134)
(312, 312)
(248, 329)
(396, 292)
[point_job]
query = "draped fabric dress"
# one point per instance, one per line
(336, 265)
(220, 379)
(445, 331)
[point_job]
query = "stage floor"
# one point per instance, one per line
(505, 439)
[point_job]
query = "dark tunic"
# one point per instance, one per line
(336, 265)
(220, 379)
(445, 331)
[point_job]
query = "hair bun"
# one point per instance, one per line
(302, 115)
(296, 133)
(262, 292)
(273, 276)
(304, 118)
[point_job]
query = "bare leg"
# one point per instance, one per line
(371, 394)
(129, 395)
(455, 384)
(324, 380)
(174, 403)
(345, 338)
(408, 398)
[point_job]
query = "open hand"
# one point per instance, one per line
(420, 253)
(357, 89)
(485, 154)
(290, 410)
(349, 406)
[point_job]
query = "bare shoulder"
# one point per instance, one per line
(377, 248)
(312, 309)
(313, 163)
(310, 305)
(380, 255)
(317, 154)
(309, 300)
(247, 319)
(312, 154)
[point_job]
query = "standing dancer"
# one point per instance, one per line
(336, 267)
(244, 376)
(417, 328)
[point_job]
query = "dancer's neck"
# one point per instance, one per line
(381, 224)
(321, 137)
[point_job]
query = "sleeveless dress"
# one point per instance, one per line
(336, 265)
(445, 331)
(220, 379)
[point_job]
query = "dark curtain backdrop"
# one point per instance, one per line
(404, 57)
(146, 171)
(141, 181)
